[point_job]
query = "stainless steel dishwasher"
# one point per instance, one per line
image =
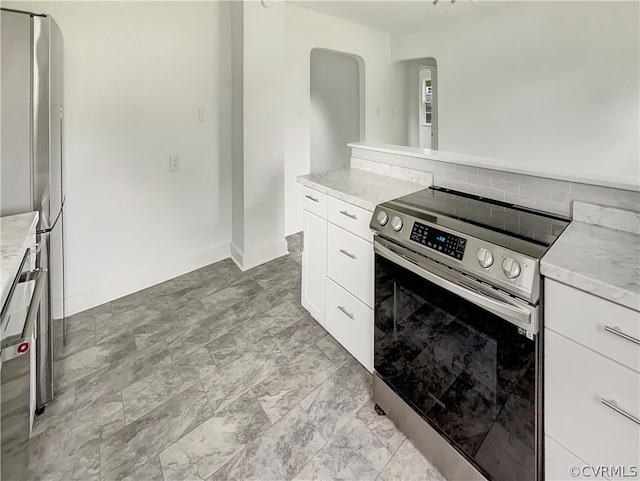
(17, 367)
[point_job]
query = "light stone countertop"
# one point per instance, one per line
(15, 239)
(592, 256)
(358, 187)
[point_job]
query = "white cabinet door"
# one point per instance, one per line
(314, 264)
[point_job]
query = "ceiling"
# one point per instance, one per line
(394, 15)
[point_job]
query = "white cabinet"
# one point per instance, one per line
(350, 263)
(337, 271)
(350, 321)
(314, 264)
(592, 378)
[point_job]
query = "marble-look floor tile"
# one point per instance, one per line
(381, 426)
(201, 452)
(137, 364)
(331, 406)
(356, 454)
(228, 347)
(77, 340)
(408, 464)
(129, 449)
(357, 380)
(263, 301)
(286, 387)
(237, 377)
(334, 351)
(287, 312)
(58, 409)
(127, 321)
(88, 361)
(230, 296)
(278, 454)
(142, 396)
(143, 373)
(46, 464)
(89, 319)
(151, 470)
(296, 338)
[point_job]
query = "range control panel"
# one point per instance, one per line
(438, 240)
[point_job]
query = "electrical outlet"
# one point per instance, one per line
(174, 162)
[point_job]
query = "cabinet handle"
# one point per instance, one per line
(346, 313)
(350, 216)
(613, 404)
(313, 199)
(616, 330)
(348, 254)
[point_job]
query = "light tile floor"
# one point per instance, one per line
(214, 375)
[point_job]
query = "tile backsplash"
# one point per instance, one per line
(537, 192)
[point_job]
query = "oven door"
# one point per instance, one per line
(459, 355)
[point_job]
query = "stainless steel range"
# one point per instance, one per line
(458, 312)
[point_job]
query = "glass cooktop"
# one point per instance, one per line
(532, 225)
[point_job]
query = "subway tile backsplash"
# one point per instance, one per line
(537, 192)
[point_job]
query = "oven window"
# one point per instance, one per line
(464, 370)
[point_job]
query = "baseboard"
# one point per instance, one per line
(94, 297)
(248, 260)
(236, 255)
(293, 227)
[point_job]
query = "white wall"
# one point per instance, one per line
(306, 30)
(135, 76)
(547, 83)
(263, 133)
(335, 109)
(237, 132)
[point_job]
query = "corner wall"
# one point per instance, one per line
(135, 76)
(306, 30)
(545, 83)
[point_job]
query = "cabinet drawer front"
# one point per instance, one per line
(314, 201)
(350, 263)
(350, 322)
(576, 380)
(350, 217)
(314, 264)
(558, 462)
(583, 318)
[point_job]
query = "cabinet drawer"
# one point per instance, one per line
(583, 317)
(350, 322)
(558, 461)
(576, 380)
(350, 263)
(350, 217)
(314, 201)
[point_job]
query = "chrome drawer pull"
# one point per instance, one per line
(612, 403)
(616, 330)
(350, 216)
(346, 313)
(348, 254)
(313, 199)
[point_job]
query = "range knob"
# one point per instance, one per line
(510, 267)
(383, 218)
(396, 223)
(485, 257)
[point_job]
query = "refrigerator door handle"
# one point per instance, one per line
(40, 277)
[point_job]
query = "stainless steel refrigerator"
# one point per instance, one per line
(31, 173)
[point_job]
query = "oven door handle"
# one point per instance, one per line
(510, 312)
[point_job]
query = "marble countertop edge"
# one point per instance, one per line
(14, 241)
(358, 187)
(623, 297)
